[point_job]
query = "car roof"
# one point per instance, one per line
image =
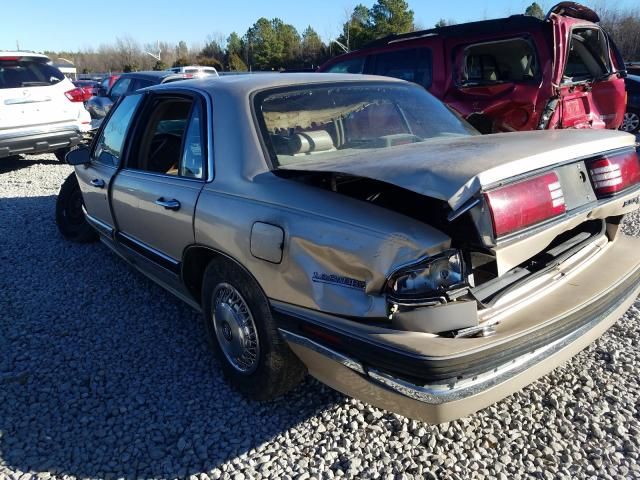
(18, 53)
(245, 84)
(152, 75)
(467, 30)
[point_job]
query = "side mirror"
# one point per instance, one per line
(80, 156)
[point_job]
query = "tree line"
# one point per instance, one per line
(272, 44)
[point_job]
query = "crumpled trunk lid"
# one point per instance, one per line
(455, 169)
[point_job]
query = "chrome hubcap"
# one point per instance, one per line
(631, 122)
(235, 329)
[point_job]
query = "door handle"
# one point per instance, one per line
(172, 204)
(97, 182)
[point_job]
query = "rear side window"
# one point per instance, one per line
(138, 84)
(412, 65)
(27, 73)
(353, 65)
(108, 148)
(512, 60)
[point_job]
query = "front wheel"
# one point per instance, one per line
(631, 122)
(237, 318)
(70, 218)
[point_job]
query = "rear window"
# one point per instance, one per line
(27, 73)
(311, 123)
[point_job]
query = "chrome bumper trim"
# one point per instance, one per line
(322, 350)
(436, 394)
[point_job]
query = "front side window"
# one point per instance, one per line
(119, 88)
(353, 65)
(511, 60)
(313, 123)
(412, 65)
(108, 147)
(172, 141)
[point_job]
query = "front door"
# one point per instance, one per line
(154, 196)
(96, 177)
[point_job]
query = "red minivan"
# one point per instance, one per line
(509, 74)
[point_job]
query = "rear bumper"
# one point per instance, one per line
(480, 371)
(38, 140)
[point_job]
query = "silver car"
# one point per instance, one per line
(354, 228)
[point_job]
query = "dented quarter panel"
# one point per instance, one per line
(337, 251)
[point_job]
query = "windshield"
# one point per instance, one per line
(311, 123)
(27, 73)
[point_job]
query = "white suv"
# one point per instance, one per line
(40, 109)
(195, 70)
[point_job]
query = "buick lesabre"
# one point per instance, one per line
(354, 228)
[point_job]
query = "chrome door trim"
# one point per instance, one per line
(151, 254)
(99, 225)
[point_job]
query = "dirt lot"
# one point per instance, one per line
(103, 375)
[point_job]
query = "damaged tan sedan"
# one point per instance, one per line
(353, 227)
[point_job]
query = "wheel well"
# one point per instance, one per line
(195, 261)
(194, 264)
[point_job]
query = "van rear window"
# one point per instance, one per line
(512, 60)
(27, 73)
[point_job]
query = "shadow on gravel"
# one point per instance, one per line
(102, 373)
(9, 164)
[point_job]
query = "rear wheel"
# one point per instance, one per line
(631, 122)
(70, 218)
(61, 153)
(237, 318)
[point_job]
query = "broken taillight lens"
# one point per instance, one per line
(522, 204)
(614, 173)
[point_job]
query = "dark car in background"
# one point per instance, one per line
(631, 122)
(509, 74)
(99, 106)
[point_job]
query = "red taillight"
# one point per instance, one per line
(76, 95)
(614, 173)
(525, 203)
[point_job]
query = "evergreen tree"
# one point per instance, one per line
(534, 10)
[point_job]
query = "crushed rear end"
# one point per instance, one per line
(537, 270)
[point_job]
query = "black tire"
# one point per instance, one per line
(277, 369)
(69, 216)
(61, 153)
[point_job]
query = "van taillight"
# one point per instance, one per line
(525, 203)
(614, 173)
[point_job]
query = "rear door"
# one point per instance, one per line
(591, 93)
(108, 149)
(154, 196)
(33, 93)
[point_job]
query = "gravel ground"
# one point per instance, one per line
(104, 375)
